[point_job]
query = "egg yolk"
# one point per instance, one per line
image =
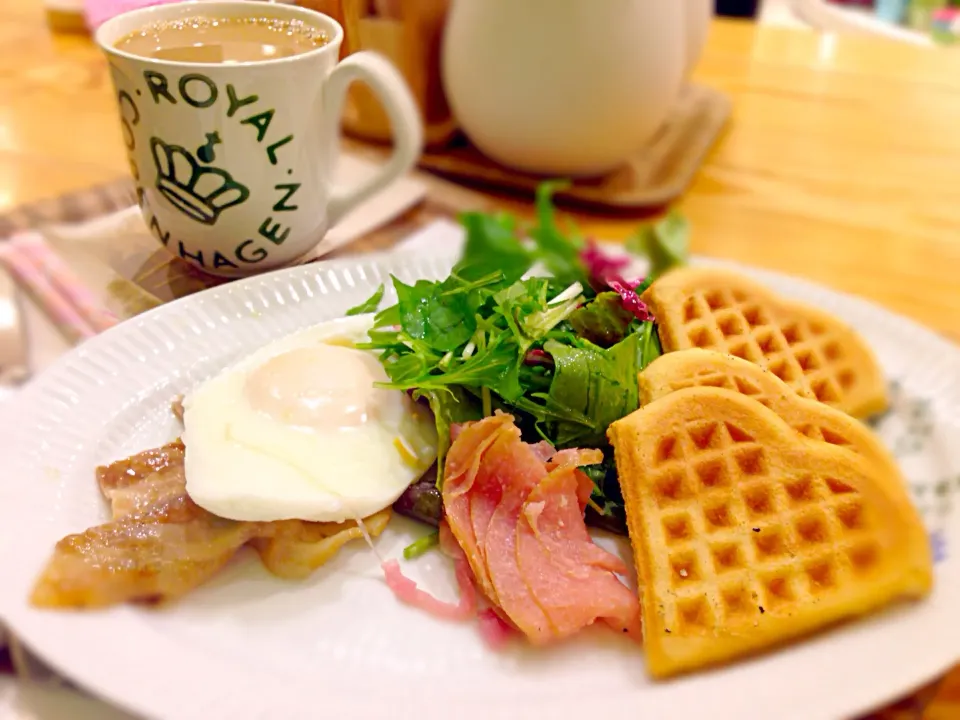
(324, 387)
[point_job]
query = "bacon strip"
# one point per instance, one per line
(160, 545)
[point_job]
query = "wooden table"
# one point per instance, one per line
(842, 164)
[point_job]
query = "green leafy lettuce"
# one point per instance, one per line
(665, 243)
(451, 406)
(369, 305)
(560, 352)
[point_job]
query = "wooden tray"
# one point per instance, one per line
(654, 177)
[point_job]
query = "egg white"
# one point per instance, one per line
(245, 464)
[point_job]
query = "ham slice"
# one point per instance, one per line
(574, 457)
(544, 451)
(471, 442)
(515, 467)
(448, 543)
(516, 510)
(571, 576)
(493, 629)
(565, 538)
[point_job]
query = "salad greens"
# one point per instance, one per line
(665, 243)
(369, 305)
(419, 547)
(559, 350)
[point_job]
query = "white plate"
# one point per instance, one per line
(338, 645)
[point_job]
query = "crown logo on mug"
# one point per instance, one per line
(199, 192)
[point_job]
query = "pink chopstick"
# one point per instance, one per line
(59, 310)
(55, 287)
(46, 261)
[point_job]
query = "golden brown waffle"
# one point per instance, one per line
(747, 534)
(708, 368)
(812, 351)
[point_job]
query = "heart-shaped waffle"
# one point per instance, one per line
(812, 351)
(708, 368)
(747, 534)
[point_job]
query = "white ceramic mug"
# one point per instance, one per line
(234, 162)
(563, 87)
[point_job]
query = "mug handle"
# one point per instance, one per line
(391, 89)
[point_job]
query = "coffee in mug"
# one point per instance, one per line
(230, 113)
(205, 39)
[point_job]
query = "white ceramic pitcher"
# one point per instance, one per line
(698, 16)
(567, 87)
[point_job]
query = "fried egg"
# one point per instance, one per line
(298, 430)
